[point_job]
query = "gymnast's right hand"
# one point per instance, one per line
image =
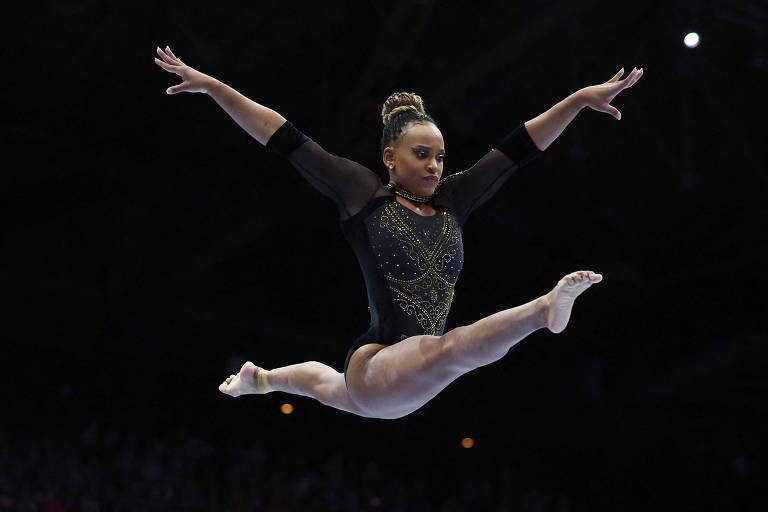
(193, 80)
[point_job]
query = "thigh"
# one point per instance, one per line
(398, 379)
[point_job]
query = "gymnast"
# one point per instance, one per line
(407, 236)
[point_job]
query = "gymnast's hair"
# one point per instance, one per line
(400, 109)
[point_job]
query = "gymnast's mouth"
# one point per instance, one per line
(432, 179)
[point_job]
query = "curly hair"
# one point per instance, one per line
(400, 109)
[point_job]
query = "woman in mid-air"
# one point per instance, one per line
(407, 238)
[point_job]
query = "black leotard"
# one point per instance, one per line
(410, 262)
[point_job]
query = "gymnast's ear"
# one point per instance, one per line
(388, 156)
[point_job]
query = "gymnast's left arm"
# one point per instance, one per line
(546, 127)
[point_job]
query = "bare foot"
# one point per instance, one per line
(250, 380)
(560, 299)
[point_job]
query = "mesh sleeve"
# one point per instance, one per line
(349, 184)
(469, 189)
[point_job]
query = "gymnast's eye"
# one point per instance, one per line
(421, 154)
(440, 158)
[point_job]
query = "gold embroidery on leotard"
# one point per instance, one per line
(451, 177)
(426, 296)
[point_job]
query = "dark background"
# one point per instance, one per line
(150, 246)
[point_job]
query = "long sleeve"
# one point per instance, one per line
(466, 190)
(349, 184)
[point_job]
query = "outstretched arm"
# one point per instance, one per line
(348, 183)
(468, 190)
(546, 127)
(259, 121)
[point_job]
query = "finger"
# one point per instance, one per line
(168, 67)
(610, 109)
(175, 89)
(619, 86)
(627, 82)
(167, 58)
(169, 52)
(164, 56)
(638, 74)
(617, 76)
(174, 57)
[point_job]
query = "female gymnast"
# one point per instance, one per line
(407, 238)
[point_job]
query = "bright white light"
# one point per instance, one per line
(691, 40)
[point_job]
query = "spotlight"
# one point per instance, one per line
(467, 442)
(691, 40)
(286, 408)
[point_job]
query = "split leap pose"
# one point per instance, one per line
(407, 238)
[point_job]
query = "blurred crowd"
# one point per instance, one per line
(110, 467)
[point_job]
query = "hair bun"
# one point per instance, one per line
(400, 102)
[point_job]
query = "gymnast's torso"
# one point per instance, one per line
(410, 262)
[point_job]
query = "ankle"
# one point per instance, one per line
(543, 304)
(262, 381)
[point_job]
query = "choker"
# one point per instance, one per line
(407, 195)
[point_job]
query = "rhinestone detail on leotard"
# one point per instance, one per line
(420, 258)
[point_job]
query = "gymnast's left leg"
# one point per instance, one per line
(393, 381)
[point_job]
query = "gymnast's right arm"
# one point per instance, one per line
(348, 183)
(259, 121)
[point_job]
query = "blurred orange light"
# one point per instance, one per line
(467, 442)
(286, 408)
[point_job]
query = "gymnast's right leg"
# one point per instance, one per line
(311, 379)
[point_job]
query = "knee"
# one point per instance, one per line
(319, 376)
(453, 339)
(318, 369)
(454, 344)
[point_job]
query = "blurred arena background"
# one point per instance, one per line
(150, 247)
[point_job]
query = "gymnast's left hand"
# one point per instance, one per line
(599, 97)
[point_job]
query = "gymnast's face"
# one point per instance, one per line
(416, 158)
